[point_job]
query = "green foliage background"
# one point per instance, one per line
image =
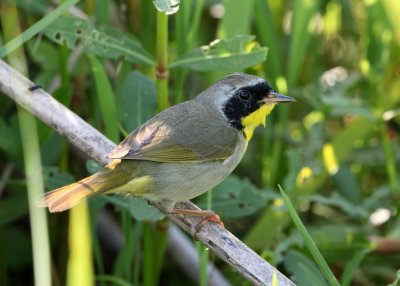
(335, 152)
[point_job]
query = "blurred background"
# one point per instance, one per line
(335, 151)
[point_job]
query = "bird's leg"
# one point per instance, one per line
(206, 214)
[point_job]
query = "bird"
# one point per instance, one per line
(183, 151)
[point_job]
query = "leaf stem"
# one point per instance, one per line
(162, 61)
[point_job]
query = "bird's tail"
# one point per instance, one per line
(68, 196)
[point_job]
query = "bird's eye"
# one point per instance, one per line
(244, 94)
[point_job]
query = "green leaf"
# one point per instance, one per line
(106, 99)
(45, 54)
(36, 28)
(138, 100)
(340, 242)
(343, 106)
(326, 271)
(353, 210)
(139, 208)
(10, 141)
(347, 184)
(53, 179)
(238, 53)
(167, 6)
(51, 148)
(104, 42)
(92, 166)
(381, 196)
(294, 168)
(17, 247)
(304, 270)
(13, 207)
(236, 197)
(396, 280)
(285, 244)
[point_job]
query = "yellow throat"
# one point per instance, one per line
(251, 121)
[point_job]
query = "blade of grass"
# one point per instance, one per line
(36, 28)
(138, 234)
(80, 270)
(326, 271)
(390, 161)
(94, 212)
(268, 37)
(89, 7)
(194, 28)
(148, 259)
(236, 20)
(112, 279)
(124, 266)
(274, 279)
(31, 154)
(102, 12)
(303, 12)
(160, 244)
(186, 39)
(127, 251)
(106, 99)
(352, 265)
(147, 28)
(181, 31)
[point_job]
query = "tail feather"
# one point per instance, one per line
(68, 196)
(64, 198)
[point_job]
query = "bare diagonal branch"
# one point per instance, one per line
(96, 145)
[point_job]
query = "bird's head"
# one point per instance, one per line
(246, 100)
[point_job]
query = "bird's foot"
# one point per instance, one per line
(208, 216)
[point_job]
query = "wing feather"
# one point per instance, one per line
(180, 134)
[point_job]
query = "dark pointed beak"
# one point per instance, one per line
(278, 98)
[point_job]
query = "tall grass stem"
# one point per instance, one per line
(162, 61)
(31, 154)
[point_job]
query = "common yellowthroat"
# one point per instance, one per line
(184, 150)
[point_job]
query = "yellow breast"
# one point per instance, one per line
(251, 121)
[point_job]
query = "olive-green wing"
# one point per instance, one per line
(180, 134)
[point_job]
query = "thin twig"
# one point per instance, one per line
(85, 137)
